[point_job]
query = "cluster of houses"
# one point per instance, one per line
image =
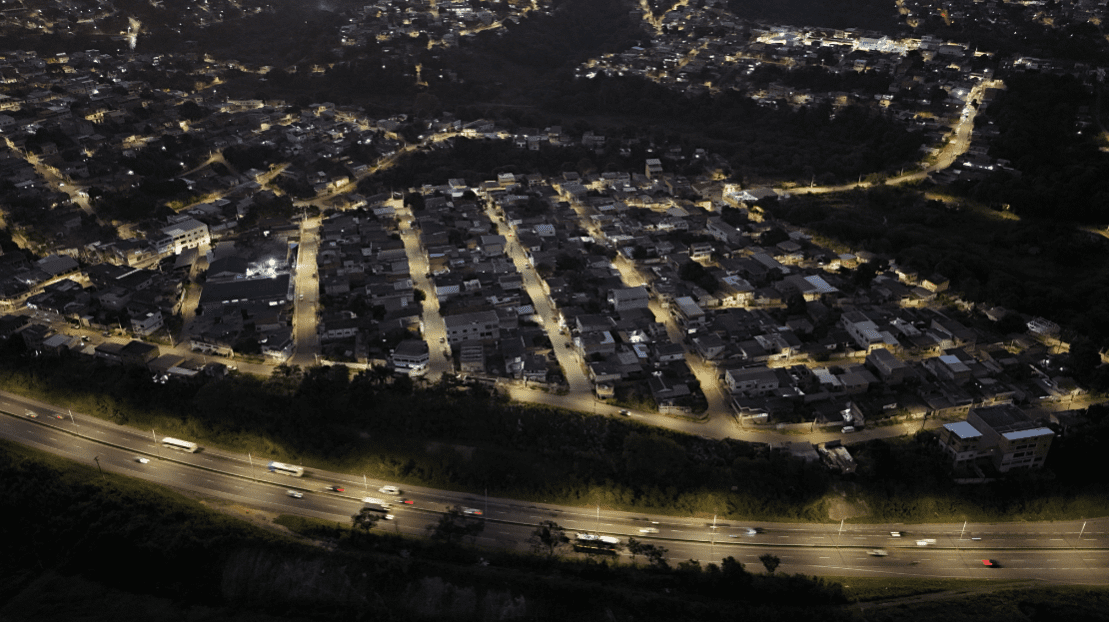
(488, 316)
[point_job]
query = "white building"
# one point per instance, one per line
(185, 234)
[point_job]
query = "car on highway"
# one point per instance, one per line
(625, 413)
(648, 530)
(405, 501)
(878, 552)
(471, 511)
(925, 542)
(389, 516)
(895, 533)
(294, 494)
(336, 488)
(142, 460)
(389, 489)
(31, 414)
(991, 563)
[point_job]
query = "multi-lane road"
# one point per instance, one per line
(1073, 552)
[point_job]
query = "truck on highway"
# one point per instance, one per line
(369, 500)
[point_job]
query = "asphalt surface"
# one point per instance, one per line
(1071, 552)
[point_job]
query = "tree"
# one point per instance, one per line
(548, 537)
(366, 519)
(770, 561)
(455, 525)
(655, 554)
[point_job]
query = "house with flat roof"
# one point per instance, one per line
(411, 356)
(483, 325)
(1003, 435)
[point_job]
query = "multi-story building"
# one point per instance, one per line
(184, 234)
(751, 382)
(411, 356)
(483, 325)
(1001, 434)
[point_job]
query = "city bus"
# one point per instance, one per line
(180, 445)
(288, 469)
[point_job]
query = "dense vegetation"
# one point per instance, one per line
(82, 545)
(172, 558)
(462, 439)
(1049, 128)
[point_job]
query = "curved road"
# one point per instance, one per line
(1071, 552)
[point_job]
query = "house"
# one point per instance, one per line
(709, 346)
(751, 382)
(184, 234)
(690, 315)
(624, 299)
(411, 356)
(138, 353)
(145, 318)
(890, 370)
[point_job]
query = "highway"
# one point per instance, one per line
(1072, 552)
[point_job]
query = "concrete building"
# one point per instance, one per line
(890, 370)
(1002, 434)
(411, 356)
(756, 381)
(472, 326)
(185, 234)
(623, 299)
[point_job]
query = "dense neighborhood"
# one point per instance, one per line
(163, 227)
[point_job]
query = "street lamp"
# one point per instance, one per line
(97, 460)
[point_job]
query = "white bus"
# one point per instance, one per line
(180, 445)
(288, 469)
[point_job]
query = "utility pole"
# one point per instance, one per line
(712, 540)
